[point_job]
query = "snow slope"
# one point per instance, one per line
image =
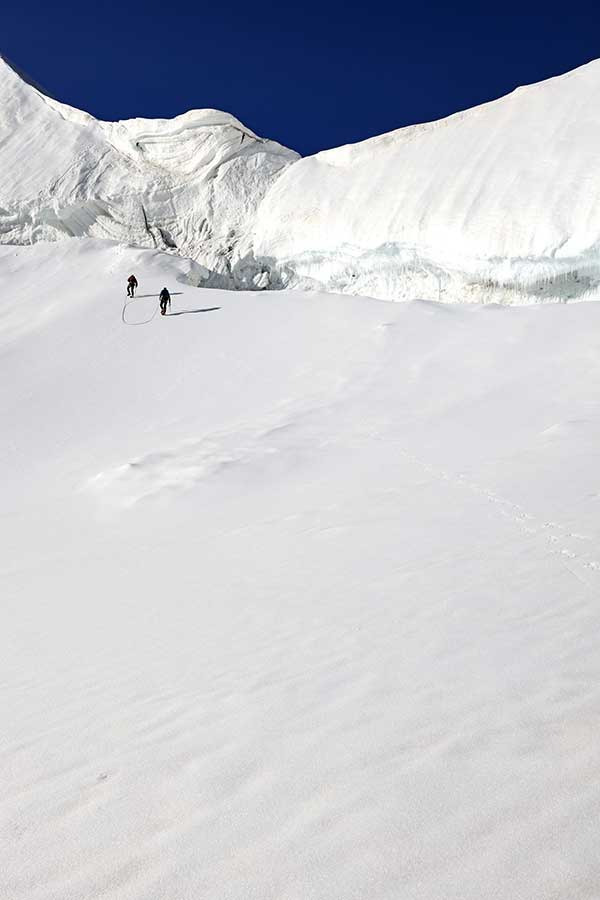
(499, 202)
(191, 184)
(299, 593)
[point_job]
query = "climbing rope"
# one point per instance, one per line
(133, 300)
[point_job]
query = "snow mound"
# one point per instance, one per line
(191, 184)
(496, 203)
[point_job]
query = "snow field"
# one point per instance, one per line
(299, 592)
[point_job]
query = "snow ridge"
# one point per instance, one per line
(493, 204)
(191, 184)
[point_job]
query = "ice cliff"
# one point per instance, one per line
(498, 203)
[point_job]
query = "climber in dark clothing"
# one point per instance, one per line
(165, 299)
(131, 285)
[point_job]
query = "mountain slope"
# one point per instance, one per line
(299, 592)
(191, 184)
(498, 202)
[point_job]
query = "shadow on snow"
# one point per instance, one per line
(187, 312)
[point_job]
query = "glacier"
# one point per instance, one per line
(299, 590)
(498, 203)
(189, 185)
(493, 204)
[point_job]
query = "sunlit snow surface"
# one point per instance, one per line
(299, 592)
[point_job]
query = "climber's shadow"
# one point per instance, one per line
(188, 312)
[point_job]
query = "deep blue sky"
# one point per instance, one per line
(311, 75)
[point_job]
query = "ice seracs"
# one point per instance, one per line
(498, 203)
(191, 184)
